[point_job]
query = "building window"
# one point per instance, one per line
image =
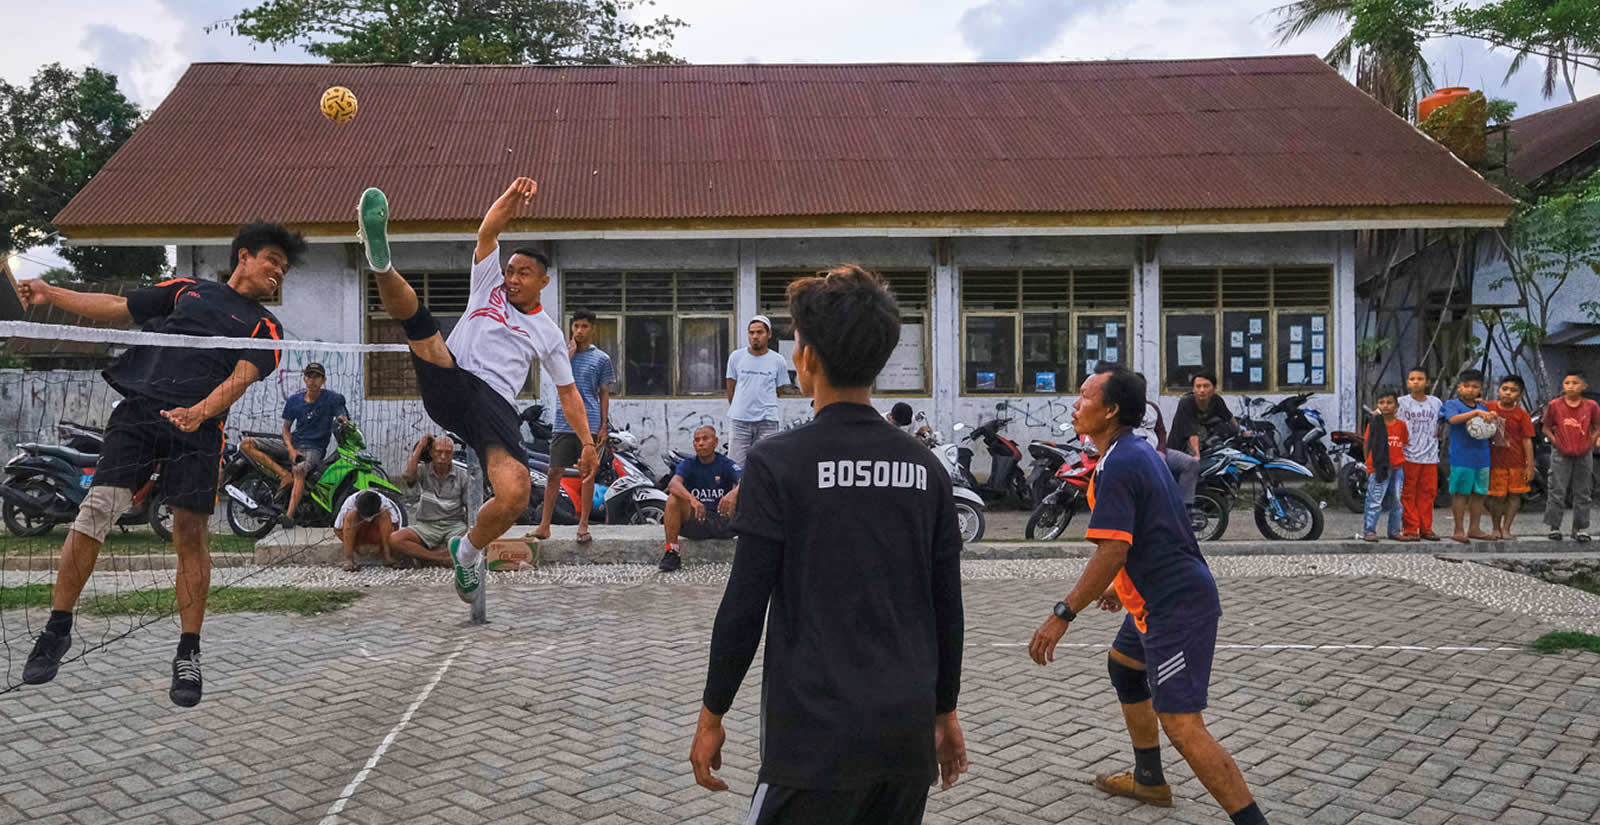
(906, 372)
(1257, 330)
(668, 333)
(445, 294)
(1041, 331)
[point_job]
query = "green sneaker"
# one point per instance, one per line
(466, 578)
(373, 228)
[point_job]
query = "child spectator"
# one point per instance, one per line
(1571, 422)
(1510, 458)
(1420, 412)
(1386, 438)
(1469, 456)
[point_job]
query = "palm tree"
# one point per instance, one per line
(1391, 69)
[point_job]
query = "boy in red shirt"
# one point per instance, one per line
(1386, 439)
(1510, 458)
(1572, 424)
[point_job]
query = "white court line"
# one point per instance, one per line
(394, 733)
(1424, 649)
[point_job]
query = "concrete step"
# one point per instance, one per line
(108, 561)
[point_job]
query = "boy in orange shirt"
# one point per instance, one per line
(1386, 439)
(1511, 463)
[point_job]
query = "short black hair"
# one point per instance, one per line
(582, 315)
(1514, 379)
(1418, 368)
(254, 237)
(901, 413)
(848, 316)
(367, 504)
(1578, 374)
(1206, 374)
(543, 259)
(1124, 389)
(1386, 392)
(1470, 375)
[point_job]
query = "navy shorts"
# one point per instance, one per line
(1177, 658)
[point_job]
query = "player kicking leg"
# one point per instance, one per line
(469, 382)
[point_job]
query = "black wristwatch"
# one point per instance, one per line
(1064, 613)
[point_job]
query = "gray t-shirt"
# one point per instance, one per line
(757, 377)
(440, 499)
(1422, 421)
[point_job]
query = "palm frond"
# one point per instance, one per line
(1342, 55)
(1301, 16)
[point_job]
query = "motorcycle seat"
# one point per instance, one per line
(67, 454)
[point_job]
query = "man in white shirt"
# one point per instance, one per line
(469, 383)
(366, 519)
(754, 376)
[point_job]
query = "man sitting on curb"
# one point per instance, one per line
(366, 520)
(441, 488)
(701, 497)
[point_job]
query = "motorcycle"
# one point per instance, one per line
(631, 495)
(1048, 459)
(255, 500)
(45, 484)
(969, 504)
(1006, 484)
(1282, 513)
(1306, 429)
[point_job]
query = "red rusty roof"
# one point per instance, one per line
(707, 144)
(1543, 141)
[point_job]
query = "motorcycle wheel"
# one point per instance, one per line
(1208, 518)
(244, 522)
(22, 524)
(1301, 520)
(969, 520)
(1353, 486)
(159, 514)
(647, 513)
(1049, 520)
(1320, 464)
(1534, 498)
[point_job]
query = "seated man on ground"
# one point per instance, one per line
(440, 486)
(366, 520)
(701, 497)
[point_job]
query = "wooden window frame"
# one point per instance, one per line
(924, 315)
(1067, 379)
(677, 315)
(1271, 312)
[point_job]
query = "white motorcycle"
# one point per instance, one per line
(969, 505)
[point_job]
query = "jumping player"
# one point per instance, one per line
(1147, 560)
(175, 401)
(469, 383)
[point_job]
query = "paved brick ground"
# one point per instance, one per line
(578, 703)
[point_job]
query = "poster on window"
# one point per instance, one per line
(1236, 339)
(1044, 382)
(1255, 375)
(1255, 353)
(1296, 352)
(1255, 326)
(985, 380)
(1316, 359)
(903, 372)
(1111, 329)
(1297, 372)
(1236, 365)
(1317, 377)
(1316, 323)
(1189, 351)
(1112, 353)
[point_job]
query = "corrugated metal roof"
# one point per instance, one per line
(237, 142)
(1543, 141)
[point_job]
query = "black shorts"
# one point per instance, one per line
(565, 449)
(466, 405)
(899, 802)
(1176, 657)
(713, 526)
(140, 442)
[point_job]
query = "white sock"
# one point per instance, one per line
(466, 553)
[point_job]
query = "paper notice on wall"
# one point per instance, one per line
(1091, 342)
(1189, 351)
(1255, 352)
(1316, 358)
(1089, 366)
(1297, 372)
(1316, 342)
(1111, 353)
(1297, 333)
(1296, 352)
(1316, 323)
(1255, 375)
(1111, 329)
(1255, 326)
(1317, 378)
(1236, 366)
(1236, 339)
(904, 370)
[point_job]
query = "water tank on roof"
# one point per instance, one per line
(1442, 97)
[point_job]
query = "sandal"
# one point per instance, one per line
(350, 567)
(1370, 537)
(1430, 537)
(585, 537)
(1403, 537)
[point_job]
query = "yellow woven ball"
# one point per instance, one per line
(339, 104)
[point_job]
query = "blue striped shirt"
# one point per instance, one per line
(591, 370)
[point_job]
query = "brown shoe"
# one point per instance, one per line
(1430, 536)
(1122, 784)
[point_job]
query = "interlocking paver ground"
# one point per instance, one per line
(576, 705)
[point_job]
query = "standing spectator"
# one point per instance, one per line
(592, 370)
(754, 376)
(1201, 415)
(366, 519)
(1469, 457)
(312, 413)
(1420, 412)
(1386, 438)
(1510, 458)
(701, 497)
(1572, 423)
(440, 485)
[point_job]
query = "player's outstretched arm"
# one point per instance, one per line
(500, 214)
(99, 306)
(230, 390)
(1109, 557)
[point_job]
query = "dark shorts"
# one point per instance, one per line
(565, 449)
(713, 526)
(1177, 658)
(466, 405)
(899, 802)
(277, 451)
(140, 442)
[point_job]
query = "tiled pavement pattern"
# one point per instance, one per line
(577, 704)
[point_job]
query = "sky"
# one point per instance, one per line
(148, 43)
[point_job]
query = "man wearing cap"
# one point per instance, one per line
(754, 376)
(312, 415)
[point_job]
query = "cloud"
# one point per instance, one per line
(1018, 29)
(124, 54)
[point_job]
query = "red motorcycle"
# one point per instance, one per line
(1070, 494)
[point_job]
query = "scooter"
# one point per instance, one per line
(1066, 491)
(45, 484)
(969, 505)
(256, 500)
(631, 495)
(1306, 429)
(1006, 484)
(1048, 459)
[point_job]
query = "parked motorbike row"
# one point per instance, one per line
(45, 484)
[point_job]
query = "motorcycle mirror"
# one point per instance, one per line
(959, 426)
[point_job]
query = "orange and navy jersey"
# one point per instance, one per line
(1134, 498)
(185, 306)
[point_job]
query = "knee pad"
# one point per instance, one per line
(420, 326)
(1131, 685)
(100, 510)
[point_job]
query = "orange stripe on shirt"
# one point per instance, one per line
(172, 281)
(1114, 535)
(1131, 598)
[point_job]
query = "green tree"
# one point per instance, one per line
(55, 134)
(1566, 33)
(462, 31)
(1381, 41)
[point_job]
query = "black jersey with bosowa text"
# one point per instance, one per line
(184, 376)
(864, 630)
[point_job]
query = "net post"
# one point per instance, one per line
(480, 602)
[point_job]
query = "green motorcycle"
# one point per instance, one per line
(255, 500)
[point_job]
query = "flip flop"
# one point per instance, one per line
(1460, 539)
(350, 568)
(1481, 537)
(585, 537)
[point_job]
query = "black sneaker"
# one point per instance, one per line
(286, 521)
(185, 691)
(670, 561)
(45, 659)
